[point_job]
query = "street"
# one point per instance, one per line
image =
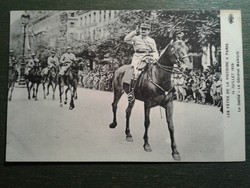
(43, 131)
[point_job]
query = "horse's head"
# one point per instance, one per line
(180, 51)
(175, 52)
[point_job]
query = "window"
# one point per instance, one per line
(104, 15)
(89, 18)
(72, 24)
(100, 16)
(110, 14)
(72, 14)
(81, 21)
(85, 20)
(94, 16)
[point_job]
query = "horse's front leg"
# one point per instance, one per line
(169, 118)
(11, 90)
(28, 89)
(34, 90)
(48, 85)
(54, 90)
(75, 92)
(128, 113)
(66, 96)
(117, 95)
(44, 95)
(72, 92)
(61, 89)
(146, 145)
(37, 87)
(31, 86)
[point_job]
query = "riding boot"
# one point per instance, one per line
(131, 95)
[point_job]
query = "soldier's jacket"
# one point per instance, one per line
(68, 58)
(142, 45)
(33, 62)
(53, 61)
(12, 60)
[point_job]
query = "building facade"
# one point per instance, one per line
(57, 29)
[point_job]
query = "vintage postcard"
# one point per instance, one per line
(125, 86)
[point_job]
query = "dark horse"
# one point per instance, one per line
(33, 78)
(70, 79)
(52, 80)
(13, 75)
(154, 87)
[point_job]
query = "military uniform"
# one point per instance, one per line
(51, 62)
(142, 47)
(32, 64)
(66, 61)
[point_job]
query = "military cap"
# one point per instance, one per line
(145, 25)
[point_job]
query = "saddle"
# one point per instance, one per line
(143, 66)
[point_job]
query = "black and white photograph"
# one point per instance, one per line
(125, 86)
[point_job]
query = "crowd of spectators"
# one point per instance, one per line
(198, 87)
(99, 78)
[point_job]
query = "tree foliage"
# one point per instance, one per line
(200, 28)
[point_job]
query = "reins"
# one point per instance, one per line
(168, 69)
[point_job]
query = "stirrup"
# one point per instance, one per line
(131, 96)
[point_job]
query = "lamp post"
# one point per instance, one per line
(25, 18)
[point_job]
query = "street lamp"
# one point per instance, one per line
(25, 18)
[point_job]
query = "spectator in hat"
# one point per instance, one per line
(143, 45)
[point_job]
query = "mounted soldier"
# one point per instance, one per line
(145, 51)
(13, 74)
(33, 64)
(52, 62)
(66, 61)
(12, 59)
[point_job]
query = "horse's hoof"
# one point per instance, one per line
(71, 107)
(61, 105)
(44, 97)
(129, 138)
(176, 156)
(147, 148)
(113, 125)
(36, 99)
(65, 102)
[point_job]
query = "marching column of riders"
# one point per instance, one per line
(196, 86)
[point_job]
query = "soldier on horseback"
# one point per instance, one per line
(12, 59)
(52, 62)
(66, 61)
(145, 50)
(33, 64)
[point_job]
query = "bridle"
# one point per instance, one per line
(169, 69)
(179, 60)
